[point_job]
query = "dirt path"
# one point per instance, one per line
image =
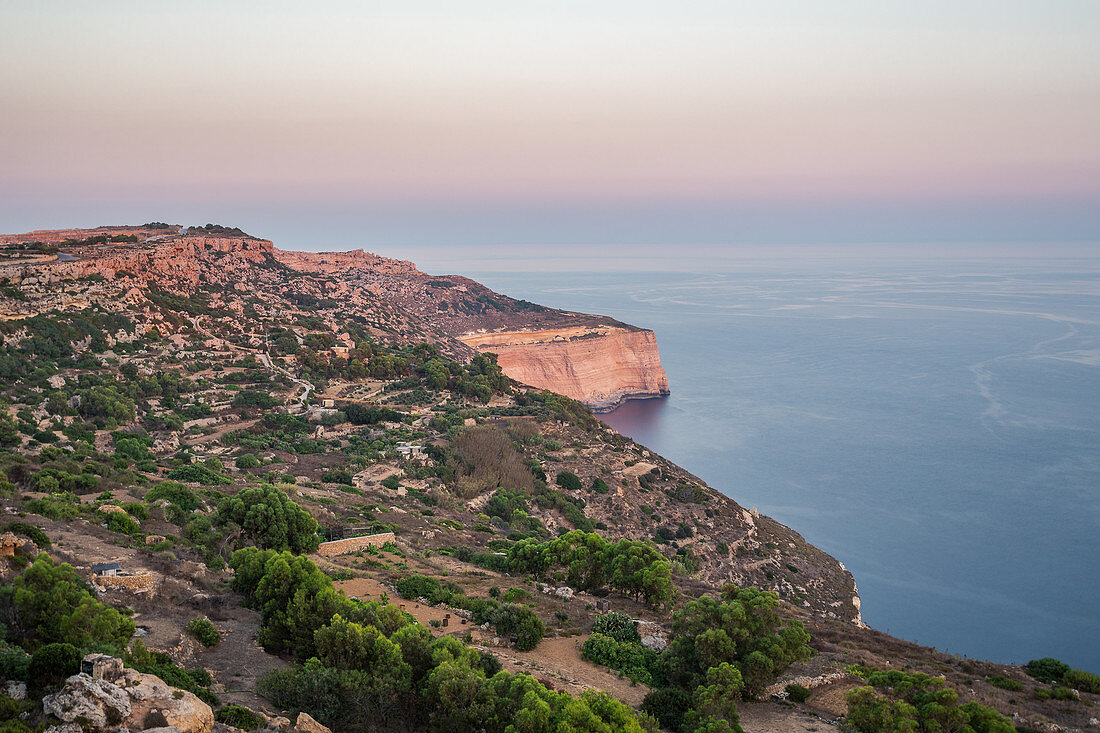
(227, 428)
(238, 663)
(767, 717)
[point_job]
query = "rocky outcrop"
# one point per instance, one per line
(174, 262)
(134, 701)
(598, 365)
(306, 724)
(330, 262)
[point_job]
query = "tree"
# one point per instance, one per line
(270, 518)
(742, 628)
(51, 603)
(9, 433)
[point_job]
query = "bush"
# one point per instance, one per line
(1047, 669)
(1081, 680)
(175, 493)
(1005, 683)
(630, 658)
(520, 623)
(798, 693)
(53, 663)
(420, 586)
(619, 626)
(238, 716)
(505, 503)
(122, 523)
(52, 604)
(34, 534)
(137, 510)
(199, 473)
(13, 662)
(513, 594)
(205, 631)
(1055, 693)
(246, 461)
(337, 476)
(568, 481)
(600, 486)
(668, 705)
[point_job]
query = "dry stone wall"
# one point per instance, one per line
(354, 544)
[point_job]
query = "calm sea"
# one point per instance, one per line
(934, 424)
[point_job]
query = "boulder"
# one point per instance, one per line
(134, 701)
(656, 642)
(306, 724)
(103, 704)
(15, 690)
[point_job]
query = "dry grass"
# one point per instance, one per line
(489, 461)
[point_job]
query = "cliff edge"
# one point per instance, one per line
(601, 366)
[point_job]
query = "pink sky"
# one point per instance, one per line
(502, 103)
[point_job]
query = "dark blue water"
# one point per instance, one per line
(935, 425)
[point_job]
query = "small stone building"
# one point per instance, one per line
(106, 570)
(101, 667)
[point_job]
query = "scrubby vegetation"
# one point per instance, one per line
(911, 702)
(367, 665)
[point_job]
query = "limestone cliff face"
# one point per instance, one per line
(176, 261)
(600, 366)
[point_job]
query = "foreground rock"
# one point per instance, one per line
(131, 700)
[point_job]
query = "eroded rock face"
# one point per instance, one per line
(103, 704)
(600, 366)
(135, 701)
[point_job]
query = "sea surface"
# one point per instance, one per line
(934, 423)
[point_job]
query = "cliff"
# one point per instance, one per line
(600, 366)
(591, 358)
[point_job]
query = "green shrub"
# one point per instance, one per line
(504, 503)
(630, 658)
(122, 523)
(137, 510)
(1081, 680)
(568, 481)
(1047, 669)
(246, 461)
(519, 623)
(798, 693)
(53, 663)
(204, 630)
(668, 705)
(238, 716)
(54, 604)
(1005, 683)
(337, 476)
(514, 594)
(270, 518)
(1055, 693)
(13, 662)
(199, 473)
(600, 486)
(60, 507)
(34, 534)
(175, 493)
(619, 626)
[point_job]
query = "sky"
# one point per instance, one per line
(525, 123)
